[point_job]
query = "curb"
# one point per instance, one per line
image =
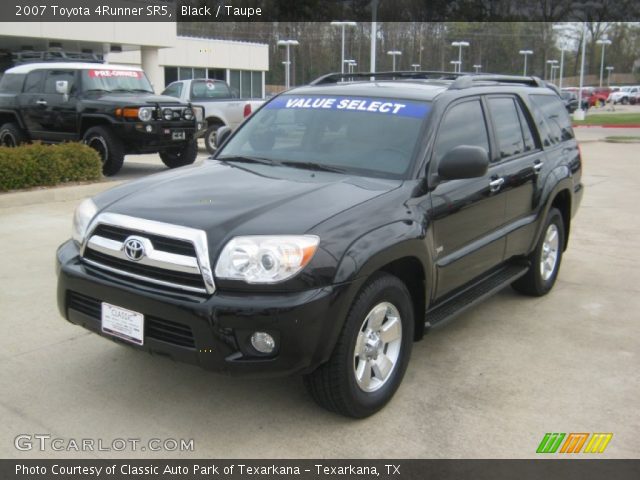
(54, 194)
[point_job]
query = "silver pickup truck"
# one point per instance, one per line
(221, 108)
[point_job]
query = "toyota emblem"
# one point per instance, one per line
(133, 248)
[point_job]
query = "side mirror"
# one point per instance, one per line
(464, 161)
(62, 87)
(222, 134)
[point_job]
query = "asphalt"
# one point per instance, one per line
(488, 385)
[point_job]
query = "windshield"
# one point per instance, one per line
(357, 135)
(113, 80)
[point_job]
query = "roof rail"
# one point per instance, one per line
(468, 80)
(400, 75)
(31, 56)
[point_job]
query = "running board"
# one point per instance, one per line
(474, 294)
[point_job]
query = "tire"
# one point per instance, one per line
(545, 259)
(625, 100)
(210, 137)
(179, 158)
(335, 384)
(108, 146)
(11, 135)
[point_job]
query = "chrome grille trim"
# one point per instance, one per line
(153, 257)
(140, 226)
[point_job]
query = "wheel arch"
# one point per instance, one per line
(7, 116)
(90, 121)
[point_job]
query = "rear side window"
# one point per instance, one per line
(555, 116)
(56, 75)
(12, 83)
(34, 82)
(463, 124)
(529, 142)
(507, 126)
(173, 90)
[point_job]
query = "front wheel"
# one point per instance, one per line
(211, 138)
(11, 135)
(372, 353)
(109, 148)
(186, 155)
(545, 259)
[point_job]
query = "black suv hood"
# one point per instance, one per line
(123, 98)
(242, 199)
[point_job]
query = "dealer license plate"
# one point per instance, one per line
(178, 136)
(123, 323)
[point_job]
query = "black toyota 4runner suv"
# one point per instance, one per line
(112, 108)
(332, 229)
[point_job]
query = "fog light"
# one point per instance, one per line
(263, 342)
(149, 128)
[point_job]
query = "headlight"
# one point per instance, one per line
(145, 114)
(265, 258)
(81, 219)
(187, 114)
(167, 114)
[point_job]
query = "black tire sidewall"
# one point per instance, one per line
(386, 289)
(211, 148)
(13, 130)
(185, 156)
(542, 285)
(115, 152)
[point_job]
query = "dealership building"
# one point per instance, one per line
(156, 47)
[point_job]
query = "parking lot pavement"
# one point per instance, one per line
(488, 385)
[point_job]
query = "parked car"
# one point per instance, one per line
(221, 107)
(333, 228)
(570, 100)
(112, 108)
(624, 95)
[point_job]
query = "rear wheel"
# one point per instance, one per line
(109, 148)
(11, 135)
(372, 353)
(186, 155)
(545, 259)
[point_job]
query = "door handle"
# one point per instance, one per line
(494, 185)
(41, 102)
(537, 167)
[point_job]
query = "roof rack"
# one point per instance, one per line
(32, 56)
(468, 80)
(459, 80)
(401, 75)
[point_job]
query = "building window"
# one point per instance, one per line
(246, 83)
(185, 73)
(199, 73)
(170, 75)
(217, 73)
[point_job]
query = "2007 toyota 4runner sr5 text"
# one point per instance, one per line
(335, 226)
(112, 108)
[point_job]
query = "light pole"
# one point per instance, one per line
(477, 68)
(553, 72)
(415, 66)
(551, 63)
(526, 53)
(563, 47)
(579, 113)
(604, 42)
(460, 44)
(350, 64)
(343, 25)
(609, 70)
(394, 54)
(287, 72)
(455, 64)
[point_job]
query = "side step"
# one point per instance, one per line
(474, 294)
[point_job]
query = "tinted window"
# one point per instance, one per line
(173, 90)
(204, 90)
(57, 75)
(507, 126)
(555, 115)
(34, 82)
(529, 142)
(463, 124)
(12, 82)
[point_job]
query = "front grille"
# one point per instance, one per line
(171, 245)
(126, 266)
(156, 328)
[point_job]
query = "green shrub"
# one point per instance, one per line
(42, 165)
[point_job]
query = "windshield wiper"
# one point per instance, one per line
(246, 159)
(98, 90)
(143, 90)
(315, 166)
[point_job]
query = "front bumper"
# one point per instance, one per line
(137, 139)
(212, 332)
